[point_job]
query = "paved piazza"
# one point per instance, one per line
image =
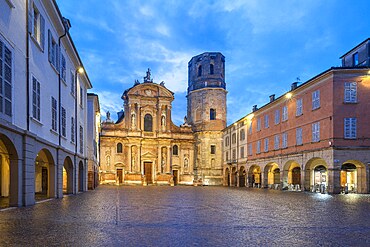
(190, 216)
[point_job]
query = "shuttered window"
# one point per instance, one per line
(54, 118)
(35, 99)
(5, 80)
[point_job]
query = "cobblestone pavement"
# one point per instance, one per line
(190, 216)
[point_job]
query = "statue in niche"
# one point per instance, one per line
(133, 120)
(163, 161)
(163, 122)
(107, 160)
(186, 165)
(133, 158)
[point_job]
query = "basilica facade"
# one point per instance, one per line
(145, 147)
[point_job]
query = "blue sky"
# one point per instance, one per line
(267, 44)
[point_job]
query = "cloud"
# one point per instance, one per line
(110, 101)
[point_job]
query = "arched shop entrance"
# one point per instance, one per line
(353, 177)
(44, 175)
(254, 176)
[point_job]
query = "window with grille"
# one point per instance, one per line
(298, 134)
(350, 92)
(35, 99)
(5, 80)
(316, 132)
(54, 117)
(316, 99)
(299, 107)
(64, 123)
(350, 128)
(234, 154)
(233, 138)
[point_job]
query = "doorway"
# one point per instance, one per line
(175, 177)
(120, 176)
(148, 172)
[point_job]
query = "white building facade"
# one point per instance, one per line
(93, 140)
(43, 101)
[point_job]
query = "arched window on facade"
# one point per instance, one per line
(233, 138)
(242, 134)
(119, 147)
(148, 123)
(200, 70)
(175, 150)
(212, 114)
(211, 69)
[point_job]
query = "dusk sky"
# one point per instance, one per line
(267, 44)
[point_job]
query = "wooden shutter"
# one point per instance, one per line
(50, 45)
(42, 32)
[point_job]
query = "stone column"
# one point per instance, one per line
(334, 181)
(28, 171)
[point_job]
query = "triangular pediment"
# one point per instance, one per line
(148, 155)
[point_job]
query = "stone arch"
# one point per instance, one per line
(272, 175)
(227, 176)
(68, 176)
(45, 178)
(9, 170)
(353, 177)
(81, 173)
(292, 175)
(242, 176)
(233, 180)
(316, 175)
(254, 176)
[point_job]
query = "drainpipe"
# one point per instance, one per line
(75, 156)
(27, 66)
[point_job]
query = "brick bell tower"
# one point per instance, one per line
(207, 114)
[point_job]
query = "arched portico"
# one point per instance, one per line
(254, 176)
(353, 177)
(67, 176)
(272, 176)
(292, 176)
(81, 175)
(242, 176)
(316, 175)
(44, 175)
(9, 184)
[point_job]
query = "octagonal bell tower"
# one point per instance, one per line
(206, 113)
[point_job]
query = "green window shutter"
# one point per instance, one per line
(42, 31)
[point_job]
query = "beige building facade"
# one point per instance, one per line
(145, 147)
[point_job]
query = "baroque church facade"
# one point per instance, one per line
(145, 147)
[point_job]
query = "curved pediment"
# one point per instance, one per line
(149, 90)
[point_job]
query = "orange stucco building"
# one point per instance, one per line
(315, 138)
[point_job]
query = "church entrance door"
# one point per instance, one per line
(148, 172)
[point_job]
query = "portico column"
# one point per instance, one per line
(334, 180)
